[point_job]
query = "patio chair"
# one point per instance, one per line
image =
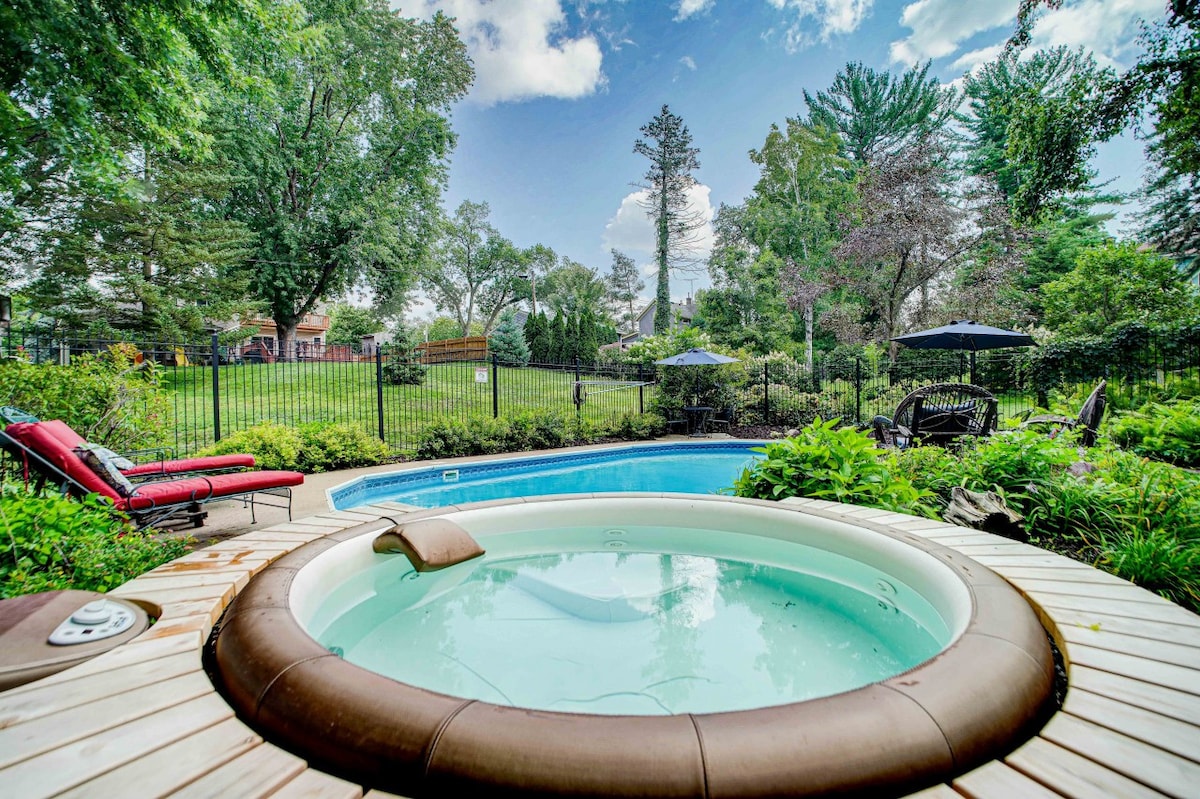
(721, 420)
(941, 414)
(1088, 419)
(40, 448)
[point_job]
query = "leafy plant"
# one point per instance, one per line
(51, 542)
(1168, 431)
(274, 446)
(839, 464)
(325, 447)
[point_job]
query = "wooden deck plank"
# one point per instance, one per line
(1125, 592)
(139, 650)
(995, 780)
(1142, 628)
(221, 593)
(258, 773)
(162, 771)
(1073, 775)
(1170, 614)
(294, 536)
(997, 562)
(44, 699)
(1082, 574)
(1149, 648)
(74, 764)
(1179, 737)
(150, 581)
(1165, 701)
(935, 792)
(1166, 674)
(48, 730)
(312, 784)
(1139, 761)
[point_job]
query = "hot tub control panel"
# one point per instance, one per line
(94, 621)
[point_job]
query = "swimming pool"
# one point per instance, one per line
(685, 468)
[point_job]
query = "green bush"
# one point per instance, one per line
(1167, 431)
(310, 448)
(450, 438)
(51, 543)
(327, 447)
(838, 464)
(107, 397)
(274, 446)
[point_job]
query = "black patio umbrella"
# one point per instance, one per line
(967, 335)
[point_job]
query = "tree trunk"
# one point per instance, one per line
(662, 299)
(984, 511)
(286, 340)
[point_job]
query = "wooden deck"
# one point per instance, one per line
(144, 720)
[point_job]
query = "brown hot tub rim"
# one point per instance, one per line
(981, 697)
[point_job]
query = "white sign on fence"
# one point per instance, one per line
(480, 374)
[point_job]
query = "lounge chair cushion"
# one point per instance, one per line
(107, 464)
(209, 463)
(202, 489)
(56, 442)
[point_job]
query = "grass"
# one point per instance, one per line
(346, 393)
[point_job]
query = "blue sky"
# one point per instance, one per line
(546, 135)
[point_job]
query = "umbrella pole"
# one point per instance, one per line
(972, 367)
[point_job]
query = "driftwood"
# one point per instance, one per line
(984, 511)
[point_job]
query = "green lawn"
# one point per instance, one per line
(346, 392)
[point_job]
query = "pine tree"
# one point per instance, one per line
(557, 349)
(589, 345)
(507, 343)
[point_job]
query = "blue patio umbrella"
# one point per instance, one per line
(695, 357)
(966, 335)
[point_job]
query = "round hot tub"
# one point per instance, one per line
(637, 645)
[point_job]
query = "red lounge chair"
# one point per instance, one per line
(43, 447)
(65, 435)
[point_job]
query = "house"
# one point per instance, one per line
(682, 314)
(312, 332)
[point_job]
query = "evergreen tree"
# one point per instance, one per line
(624, 283)
(673, 159)
(571, 348)
(507, 343)
(589, 345)
(402, 362)
(557, 349)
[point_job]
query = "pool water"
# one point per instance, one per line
(637, 620)
(706, 468)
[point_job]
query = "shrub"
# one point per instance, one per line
(326, 447)
(450, 438)
(108, 397)
(402, 362)
(51, 542)
(311, 448)
(838, 464)
(1167, 431)
(274, 446)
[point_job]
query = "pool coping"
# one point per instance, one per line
(145, 714)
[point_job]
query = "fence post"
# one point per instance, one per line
(495, 386)
(379, 390)
(641, 392)
(578, 405)
(216, 387)
(766, 394)
(857, 390)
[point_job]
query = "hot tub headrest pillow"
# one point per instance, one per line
(430, 544)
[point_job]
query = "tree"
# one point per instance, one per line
(876, 114)
(86, 83)
(559, 347)
(476, 272)
(668, 146)
(906, 231)
(573, 287)
(589, 344)
(507, 343)
(803, 188)
(624, 285)
(537, 336)
(341, 154)
(1024, 123)
(401, 359)
(1117, 283)
(349, 323)
(152, 260)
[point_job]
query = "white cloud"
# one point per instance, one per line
(688, 62)
(940, 26)
(831, 18)
(690, 8)
(630, 229)
(520, 48)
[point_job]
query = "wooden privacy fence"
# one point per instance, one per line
(471, 348)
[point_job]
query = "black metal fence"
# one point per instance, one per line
(213, 392)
